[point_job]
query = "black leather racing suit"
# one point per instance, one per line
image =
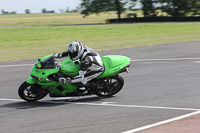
(91, 65)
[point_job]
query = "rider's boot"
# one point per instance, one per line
(81, 86)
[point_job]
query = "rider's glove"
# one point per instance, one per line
(63, 80)
(58, 55)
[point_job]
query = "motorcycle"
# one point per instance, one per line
(47, 69)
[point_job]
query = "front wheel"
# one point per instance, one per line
(110, 87)
(32, 93)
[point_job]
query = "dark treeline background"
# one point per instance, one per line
(150, 8)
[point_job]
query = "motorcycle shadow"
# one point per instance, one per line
(52, 102)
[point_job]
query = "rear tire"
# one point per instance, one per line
(31, 93)
(110, 87)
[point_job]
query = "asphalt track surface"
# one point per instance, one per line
(163, 83)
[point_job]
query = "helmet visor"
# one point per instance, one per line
(73, 55)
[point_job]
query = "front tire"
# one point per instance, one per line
(32, 92)
(111, 87)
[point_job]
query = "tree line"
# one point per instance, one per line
(150, 8)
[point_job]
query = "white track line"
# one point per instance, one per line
(134, 106)
(16, 100)
(16, 65)
(109, 104)
(162, 122)
(138, 60)
(197, 61)
(167, 59)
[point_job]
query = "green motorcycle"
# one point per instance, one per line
(47, 69)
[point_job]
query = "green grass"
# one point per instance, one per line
(57, 18)
(53, 19)
(30, 42)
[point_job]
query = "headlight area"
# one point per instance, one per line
(36, 78)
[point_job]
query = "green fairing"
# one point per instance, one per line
(68, 88)
(68, 67)
(113, 64)
(43, 73)
(31, 81)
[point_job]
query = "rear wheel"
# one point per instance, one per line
(32, 93)
(110, 87)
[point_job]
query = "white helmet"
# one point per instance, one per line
(75, 50)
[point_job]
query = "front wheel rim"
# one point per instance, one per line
(30, 95)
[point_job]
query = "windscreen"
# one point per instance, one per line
(48, 63)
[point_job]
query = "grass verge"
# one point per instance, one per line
(30, 42)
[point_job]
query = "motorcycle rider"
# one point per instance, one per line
(91, 64)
